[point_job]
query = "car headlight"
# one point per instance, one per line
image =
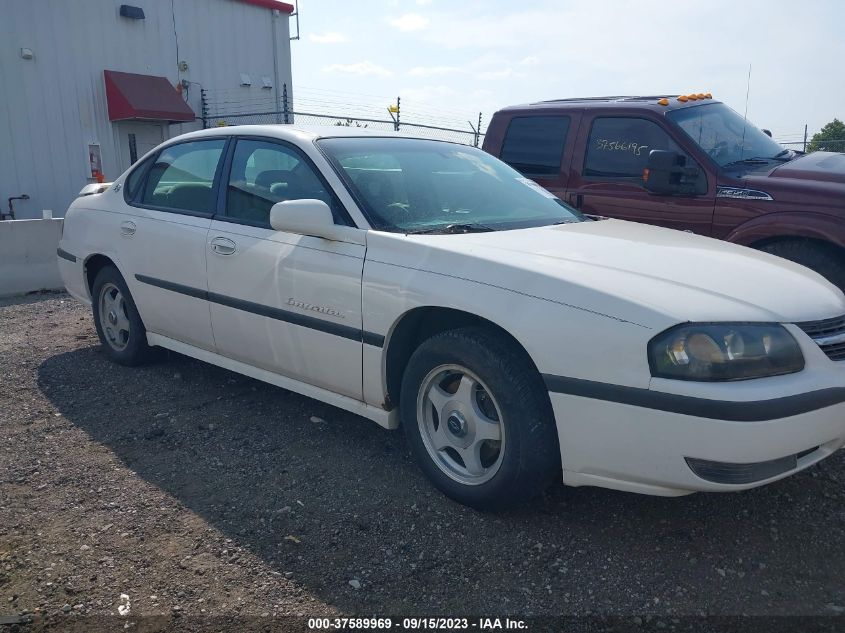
(724, 351)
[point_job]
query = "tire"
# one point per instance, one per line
(119, 326)
(821, 258)
(458, 386)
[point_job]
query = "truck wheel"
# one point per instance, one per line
(478, 419)
(116, 318)
(821, 258)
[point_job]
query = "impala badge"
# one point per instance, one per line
(302, 305)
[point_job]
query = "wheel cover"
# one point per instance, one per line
(461, 424)
(114, 320)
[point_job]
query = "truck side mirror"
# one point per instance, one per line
(666, 172)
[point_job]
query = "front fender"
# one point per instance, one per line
(815, 226)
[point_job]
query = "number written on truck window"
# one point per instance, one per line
(618, 147)
(534, 145)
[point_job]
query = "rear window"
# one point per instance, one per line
(182, 178)
(534, 145)
(134, 180)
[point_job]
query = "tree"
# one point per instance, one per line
(831, 138)
(350, 123)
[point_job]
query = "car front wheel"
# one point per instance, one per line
(478, 419)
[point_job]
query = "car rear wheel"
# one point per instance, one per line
(820, 257)
(478, 419)
(116, 318)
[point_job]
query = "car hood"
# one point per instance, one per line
(824, 166)
(638, 273)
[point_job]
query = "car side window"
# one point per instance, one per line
(618, 147)
(534, 145)
(182, 177)
(264, 173)
(135, 179)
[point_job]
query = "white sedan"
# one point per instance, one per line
(428, 285)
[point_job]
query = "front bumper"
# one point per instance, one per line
(643, 450)
(676, 438)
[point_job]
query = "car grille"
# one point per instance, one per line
(829, 334)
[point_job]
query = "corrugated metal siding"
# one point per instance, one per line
(52, 106)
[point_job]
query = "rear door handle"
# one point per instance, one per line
(223, 246)
(127, 229)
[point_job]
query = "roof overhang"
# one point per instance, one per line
(284, 7)
(144, 97)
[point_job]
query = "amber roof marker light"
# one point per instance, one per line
(664, 101)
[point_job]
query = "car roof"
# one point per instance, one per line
(293, 132)
(638, 102)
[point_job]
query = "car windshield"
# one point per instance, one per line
(421, 186)
(725, 135)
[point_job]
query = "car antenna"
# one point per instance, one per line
(745, 116)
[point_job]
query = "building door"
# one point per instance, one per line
(136, 138)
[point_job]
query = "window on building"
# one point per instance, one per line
(264, 173)
(182, 177)
(534, 145)
(618, 147)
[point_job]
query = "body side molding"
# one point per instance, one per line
(304, 320)
(733, 411)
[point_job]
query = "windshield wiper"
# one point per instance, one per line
(760, 160)
(454, 228)
(757, 160)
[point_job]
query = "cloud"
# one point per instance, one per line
(531, 60)
(434, 71)
(423, 2)
(497, 74)
(409, 22)
(360, 68)
(328, 38)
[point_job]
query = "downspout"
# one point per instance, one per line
(277, 85)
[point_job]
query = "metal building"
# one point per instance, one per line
(89, 86)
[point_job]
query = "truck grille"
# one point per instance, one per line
(829, 334)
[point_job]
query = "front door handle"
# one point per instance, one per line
(127, 229)
(223, 246)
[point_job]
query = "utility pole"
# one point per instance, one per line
(805, 137)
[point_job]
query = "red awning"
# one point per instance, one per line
(145, 97)
(271, 4)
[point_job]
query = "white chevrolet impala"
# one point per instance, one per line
(428, 285)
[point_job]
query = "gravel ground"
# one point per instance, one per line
(193, 491)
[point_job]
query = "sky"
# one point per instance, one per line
(451, 59)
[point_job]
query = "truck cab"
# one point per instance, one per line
(686, 162)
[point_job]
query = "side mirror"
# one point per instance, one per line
(313, 218)
(666, 172)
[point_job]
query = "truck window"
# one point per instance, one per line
(618, 147)
(533, 145)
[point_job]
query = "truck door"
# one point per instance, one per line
(606, 176)
(540, 147)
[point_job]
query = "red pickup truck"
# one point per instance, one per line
(685, 162)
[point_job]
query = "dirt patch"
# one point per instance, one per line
(194, 492)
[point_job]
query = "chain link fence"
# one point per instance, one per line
(835, 145)
(229, 113)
